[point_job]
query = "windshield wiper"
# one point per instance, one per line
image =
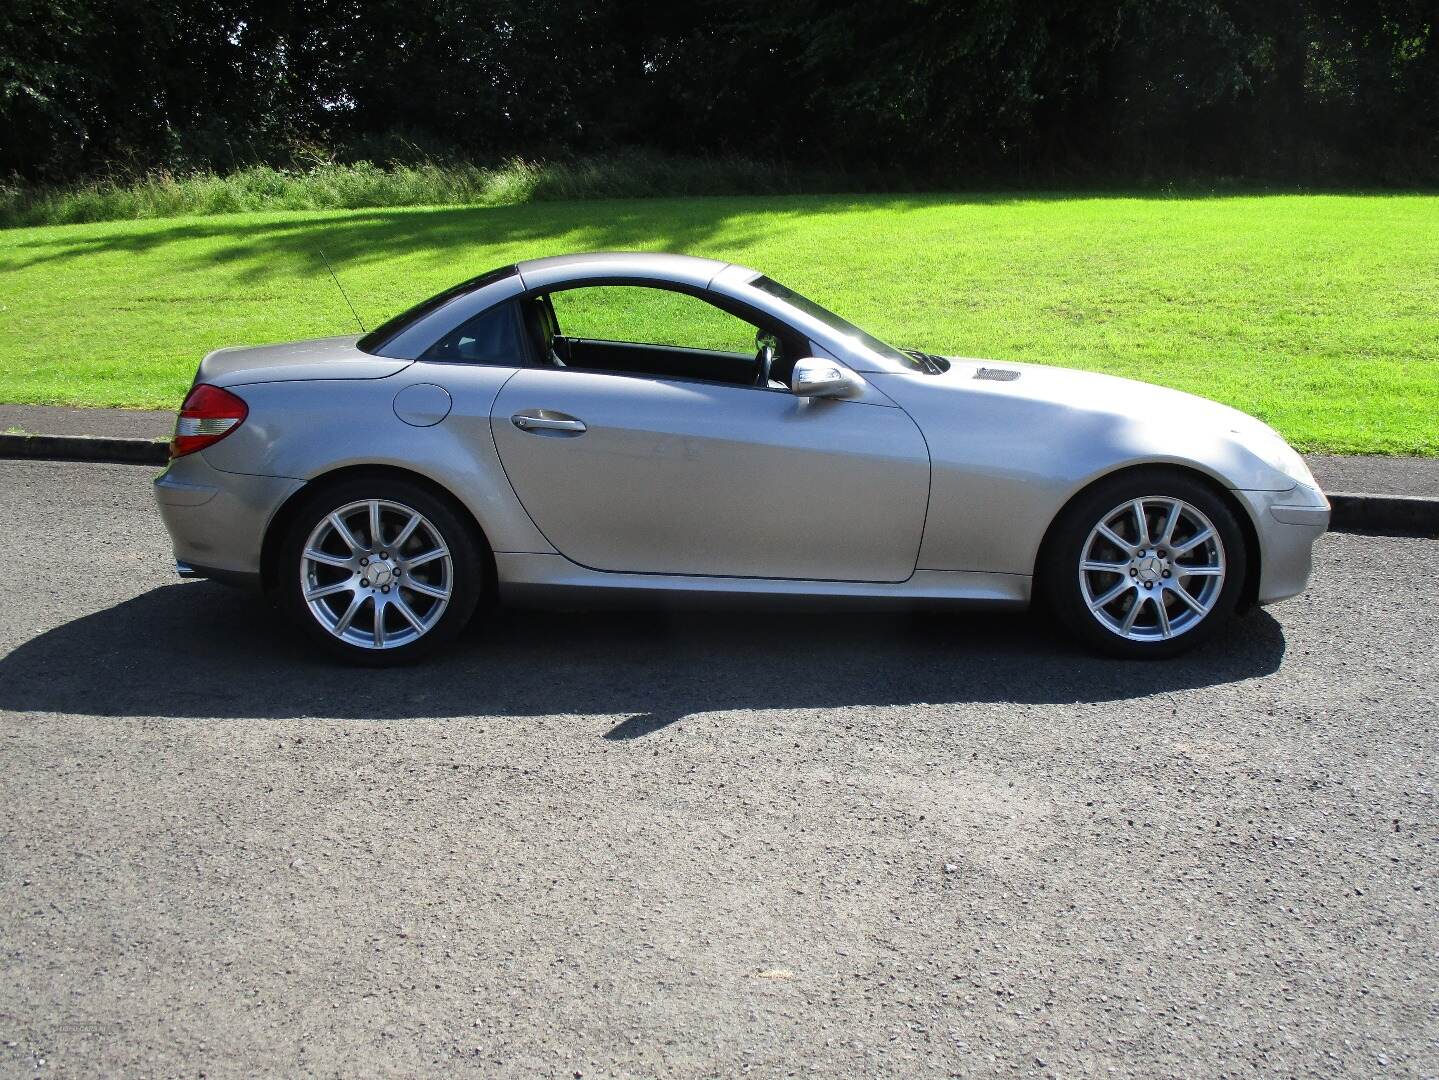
(935, 365)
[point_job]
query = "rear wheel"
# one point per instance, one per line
(1147, 564)
(379, 570)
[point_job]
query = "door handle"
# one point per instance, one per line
(542, 420)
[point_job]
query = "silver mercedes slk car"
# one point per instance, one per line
(634, 428)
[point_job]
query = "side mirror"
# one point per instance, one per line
(815, 378)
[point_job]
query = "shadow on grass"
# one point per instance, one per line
(358, 237)
(198, 650)
(355, 237)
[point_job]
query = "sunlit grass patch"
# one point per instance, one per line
(1320, 314)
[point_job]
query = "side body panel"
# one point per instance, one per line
(305, 429)
(1002, 469)
(1007, 456)
(688, 477)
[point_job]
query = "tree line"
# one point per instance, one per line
(1308, 91)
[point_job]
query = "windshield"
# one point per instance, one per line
(842, 327)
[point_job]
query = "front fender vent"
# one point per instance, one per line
(994, 374)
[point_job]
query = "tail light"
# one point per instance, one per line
(206, 417)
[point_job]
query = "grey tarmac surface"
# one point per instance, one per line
(692, 845)
(105, 423)
(1376, 475)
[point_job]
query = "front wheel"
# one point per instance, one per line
(379, 570)
(1145, 565)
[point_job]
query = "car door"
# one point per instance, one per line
(642, 474)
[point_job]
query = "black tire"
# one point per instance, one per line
(463, 571)
(1064, 592)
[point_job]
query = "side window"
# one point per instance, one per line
(491, 337)
(649, 316)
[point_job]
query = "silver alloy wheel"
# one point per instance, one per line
(1152, 568)
(376, 574)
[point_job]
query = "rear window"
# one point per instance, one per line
(377, 338)
(491, 337)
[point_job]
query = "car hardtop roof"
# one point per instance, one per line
(682, 269)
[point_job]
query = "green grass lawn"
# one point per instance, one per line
(1319, 314)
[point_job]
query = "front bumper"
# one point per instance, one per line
(1287, 524)
(217, 520)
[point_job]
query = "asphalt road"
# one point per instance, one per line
(690, 846)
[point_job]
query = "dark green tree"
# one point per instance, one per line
(933, 92)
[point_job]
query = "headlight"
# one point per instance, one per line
(1269, 446)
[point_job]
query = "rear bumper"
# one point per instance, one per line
(1287, 524)
(217, 520)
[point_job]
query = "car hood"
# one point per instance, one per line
(1147, 421)
(1094, 391)
(320, 358)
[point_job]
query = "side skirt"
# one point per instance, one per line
(548, 581)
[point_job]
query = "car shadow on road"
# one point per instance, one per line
(200, 650)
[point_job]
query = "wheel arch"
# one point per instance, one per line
(1253, 562)
(280, 522)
